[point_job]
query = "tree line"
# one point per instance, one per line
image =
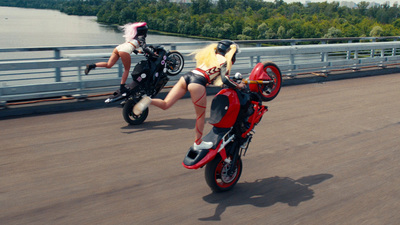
(236, 19)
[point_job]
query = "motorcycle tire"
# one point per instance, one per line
(270, 91)
(216, 174)
(130, 117)
(175, 63)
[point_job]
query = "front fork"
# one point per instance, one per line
(237, 149)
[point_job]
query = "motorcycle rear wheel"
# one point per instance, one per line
(270, 91)
(175, 63)
(216, 174)
(130, 117)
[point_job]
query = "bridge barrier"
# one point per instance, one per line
(62, 75)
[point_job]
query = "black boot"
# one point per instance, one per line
(123, 89)
(89, 67)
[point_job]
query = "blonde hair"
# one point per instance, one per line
(207, 56)
(229, 56)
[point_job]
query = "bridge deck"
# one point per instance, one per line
(325, 153)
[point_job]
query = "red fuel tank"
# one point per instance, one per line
(225, 108)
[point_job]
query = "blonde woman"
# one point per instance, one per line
(214, 63)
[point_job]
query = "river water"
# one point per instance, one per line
(25, 28)
(20, 27)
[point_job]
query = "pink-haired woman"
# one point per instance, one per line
(135, 37)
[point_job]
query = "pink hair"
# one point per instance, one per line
(130, 30)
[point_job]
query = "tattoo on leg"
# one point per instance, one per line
(200, 116)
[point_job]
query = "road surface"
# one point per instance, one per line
(325, 153)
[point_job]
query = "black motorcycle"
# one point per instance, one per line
(149, 78)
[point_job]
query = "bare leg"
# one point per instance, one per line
(199, 99)
(126, 61)
(111, 61)
(177, 92)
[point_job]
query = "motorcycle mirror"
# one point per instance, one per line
(238, 76)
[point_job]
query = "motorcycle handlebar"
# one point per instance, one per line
(257, 81)
(238, 77)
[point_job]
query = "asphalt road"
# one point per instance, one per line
(325, 153)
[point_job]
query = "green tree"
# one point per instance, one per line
(236, 19)
(333, 32)
(201, 6)
(127, 15)
(262, 28)
(396, 23)
(270, 34)
(281, 32)
(208, 31)
(376, 31)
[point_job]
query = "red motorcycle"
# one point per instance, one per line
(234, 114)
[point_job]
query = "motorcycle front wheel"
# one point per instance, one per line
(175, 63)
(270, 91)
(130, 117)
(217, 177)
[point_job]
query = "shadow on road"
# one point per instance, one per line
(265, 192)
(172, 124)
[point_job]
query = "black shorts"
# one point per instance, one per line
(191, 77)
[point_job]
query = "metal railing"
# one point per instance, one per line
(25, 78)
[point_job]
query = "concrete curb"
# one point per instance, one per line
(98, 102)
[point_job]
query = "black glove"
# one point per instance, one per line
(148, 50)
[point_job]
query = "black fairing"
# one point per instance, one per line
(194, 156)
(140, 68)
(219, 107)
(154, 79)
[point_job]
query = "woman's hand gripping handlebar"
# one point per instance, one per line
(242, 82)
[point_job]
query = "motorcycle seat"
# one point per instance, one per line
(215, 135)
(194, 156)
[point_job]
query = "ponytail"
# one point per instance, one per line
(229, 57)
(206, 56)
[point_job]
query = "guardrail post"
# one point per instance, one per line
(373, 50)
(291, 59)
(291, 73)
(348, 53)
(258, 57)
(57, 55)
(324, 55)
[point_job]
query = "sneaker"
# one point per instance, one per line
(142, 105)
(89, 67)
(202, 145)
